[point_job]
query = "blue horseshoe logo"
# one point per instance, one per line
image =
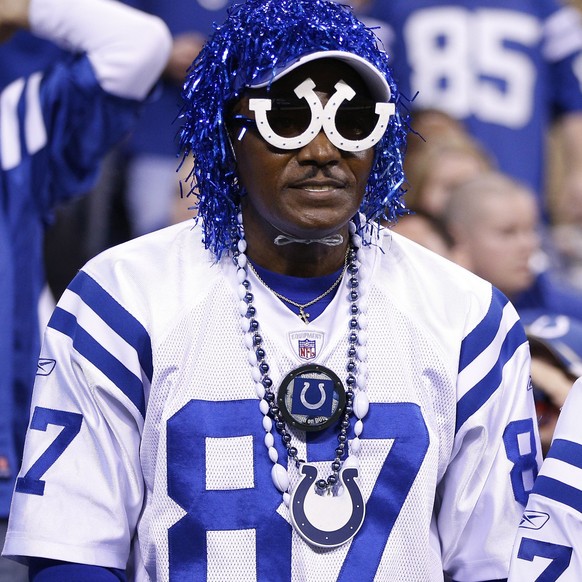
(347, 529)
(304, 399)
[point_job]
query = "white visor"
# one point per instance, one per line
(374, 79)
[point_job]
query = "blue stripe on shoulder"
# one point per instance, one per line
(116, 317)
(90, 349)
(558, 491)
(479, 338)
(474, 344)
(566, 451)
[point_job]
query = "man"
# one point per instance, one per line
(494, 222)
(285, 391)
(55, 127)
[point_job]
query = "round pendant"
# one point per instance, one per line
(327, 520)
(311, 398)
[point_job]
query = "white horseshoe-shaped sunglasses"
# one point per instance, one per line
(350, 124)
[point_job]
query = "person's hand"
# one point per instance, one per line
(13, 15)
(184, 50)
(552, 380)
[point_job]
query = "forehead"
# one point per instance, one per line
(325, 73)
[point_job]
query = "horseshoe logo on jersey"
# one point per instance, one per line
(327, 520)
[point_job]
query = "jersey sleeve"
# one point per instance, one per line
(59, 123)
(496, 452)
(128, 48)
(547, 545)
(80, 489)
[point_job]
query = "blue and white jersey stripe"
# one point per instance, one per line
(561, 477)
(484, 354)
(22, 127)
(106, 323)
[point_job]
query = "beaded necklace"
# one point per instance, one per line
(339, 487)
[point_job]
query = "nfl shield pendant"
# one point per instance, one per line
(311, 398)
(327, 520)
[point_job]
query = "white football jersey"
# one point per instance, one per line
(549, 541)
(146, 436)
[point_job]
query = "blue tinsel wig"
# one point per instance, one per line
(257, 36)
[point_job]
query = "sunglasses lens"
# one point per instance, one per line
(356, 121)
(289, 118)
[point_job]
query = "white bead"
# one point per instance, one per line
(363, 321)
(245, 323)
(362, 337)
(260, 390)
(351, 227)
(256, 374)
(242, 291)
(355, 445)
(351, 462)
(357, 240)
(252, 357)
(361, 404)
(273, 454)
(239, 218)
(286, 499)
(362, 352)
(241, 275)
(358, 427)
(242, 261)
(363, 304)
(363, 371)
(267, 423)
(269, 440)
(264, 406)
(243, 308)
(280, 477)
(242, 245)
(248, 339)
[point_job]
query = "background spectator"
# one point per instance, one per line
(556, 349)
(508, 68)
(495, 227)
(56, 126)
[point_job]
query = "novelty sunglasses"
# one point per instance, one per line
(351, 123)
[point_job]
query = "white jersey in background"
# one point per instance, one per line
(549, 542)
